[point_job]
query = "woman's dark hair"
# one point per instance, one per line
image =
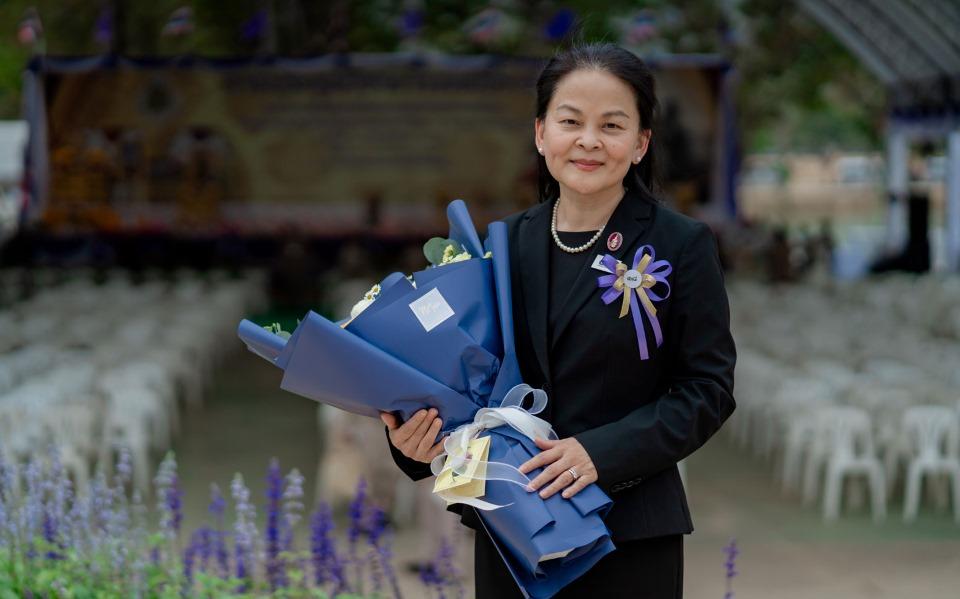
(623, 65)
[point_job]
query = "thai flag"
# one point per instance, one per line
(485, 26)
(180, 22)
(29, 30)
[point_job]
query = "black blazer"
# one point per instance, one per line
(636, 418)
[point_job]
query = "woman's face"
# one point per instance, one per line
(591, 133)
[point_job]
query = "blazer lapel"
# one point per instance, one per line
(534, 246)
(631, 219)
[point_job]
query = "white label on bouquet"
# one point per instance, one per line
(431, 309)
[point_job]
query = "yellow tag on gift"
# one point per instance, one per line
(470, 483)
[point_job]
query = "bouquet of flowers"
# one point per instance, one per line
(443, 338)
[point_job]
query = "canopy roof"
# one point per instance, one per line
(912, 46)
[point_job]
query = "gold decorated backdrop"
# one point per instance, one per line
(255, 143)
(320, 147)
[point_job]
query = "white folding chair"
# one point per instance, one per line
(934, 432)
(847, 440)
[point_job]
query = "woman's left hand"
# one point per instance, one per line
(558, 457)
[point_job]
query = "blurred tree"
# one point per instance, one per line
(800, 87)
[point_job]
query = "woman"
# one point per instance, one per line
(626, 408)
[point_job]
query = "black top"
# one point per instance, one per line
(564, 268)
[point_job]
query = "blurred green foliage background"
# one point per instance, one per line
(799, 89)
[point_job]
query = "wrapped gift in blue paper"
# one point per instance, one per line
(446, 341)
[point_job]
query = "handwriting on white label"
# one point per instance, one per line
(431, 309)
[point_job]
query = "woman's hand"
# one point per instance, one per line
(558, 457)
(414, 438)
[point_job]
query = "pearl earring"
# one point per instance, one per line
(540, 150)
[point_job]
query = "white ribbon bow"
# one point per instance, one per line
(510, 413)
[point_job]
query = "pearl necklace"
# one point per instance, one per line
(567, 248)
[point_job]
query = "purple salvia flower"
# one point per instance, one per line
(327, 566)
(77, 532)
(446, 562)
(189, 559)
(62, 491)
(174, 502)
(118, 524)
(442, 574)
(165, 482)
(139, 538)
(730, 565)
(169, 509)
(218, 504)
(217, 507)
(374, 522)
(385, 555)
(118, 531)
(101, 516)
(321, 545)
(32, 507)
(124, 472)
(276, 575)
(4, 526)
(376, 573)
(355, 529)
(292, 506)
(356, 511)
(8, 497)
(382, 556)
(245, 530)
(55, 490)
(431, 579)
(8, 477)
(138, 576)
(205, 546)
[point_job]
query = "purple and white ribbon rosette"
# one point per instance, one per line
(636, 287)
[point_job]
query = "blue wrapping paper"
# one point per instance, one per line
(386, 360)
(470, 338)
(533, 527)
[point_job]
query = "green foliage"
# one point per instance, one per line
(71, 577)
(800, 87)
(434, 248)
(276, 329)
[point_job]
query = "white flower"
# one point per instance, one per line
(373, 293)
(360, 307)
(363, 304)
(450, 256)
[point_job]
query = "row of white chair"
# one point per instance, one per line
(838, 379)
(113, 366)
